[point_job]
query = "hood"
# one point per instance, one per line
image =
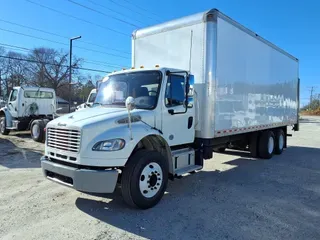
(92, 115)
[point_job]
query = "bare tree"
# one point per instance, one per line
(50, 68)
(14, 71)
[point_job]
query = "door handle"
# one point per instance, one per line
(171, 111)
(190, 122)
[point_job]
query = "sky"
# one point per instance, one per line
(106, 27)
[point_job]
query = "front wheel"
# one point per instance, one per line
(144, 179)
(3, 126)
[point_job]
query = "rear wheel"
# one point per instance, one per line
(279, 141)
(144, 179)
(3, 126)
(266, 144)
(37, 130)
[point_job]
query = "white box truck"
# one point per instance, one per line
(198, 84)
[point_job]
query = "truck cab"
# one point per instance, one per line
(88, 150)
(89, 102)
(28, 108)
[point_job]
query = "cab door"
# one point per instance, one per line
(13, 103)
(177, 119)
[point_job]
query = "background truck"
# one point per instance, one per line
(89, 102)
(28, 108)
(219, 86)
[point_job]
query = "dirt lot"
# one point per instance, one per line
(234, 197)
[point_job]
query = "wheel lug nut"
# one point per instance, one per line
(158, 174)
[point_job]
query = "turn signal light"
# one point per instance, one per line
(141, 66)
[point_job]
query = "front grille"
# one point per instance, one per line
(64, 139)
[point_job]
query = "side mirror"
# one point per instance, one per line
(130, 106)
(130, 103)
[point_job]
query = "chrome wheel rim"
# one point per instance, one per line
(270, 145)
(150, 180)
(281, 142)
(35, 131)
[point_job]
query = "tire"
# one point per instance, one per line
(3, 125)
(37, 130)
(266, 144)
(137, 191)
(253, 145)
(279, 141)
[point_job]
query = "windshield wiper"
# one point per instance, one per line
(96, 103)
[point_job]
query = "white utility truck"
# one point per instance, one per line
(89, 102)
(198, 83)
(28, 108)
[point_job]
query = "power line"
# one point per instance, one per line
(105, 7)
(58, 35)
(132, 10)
(12, 46)
(79, 19)
(106, 15)
(65, 44)
(53, 64)
(103, 64)
(143, 9)
(85, 60)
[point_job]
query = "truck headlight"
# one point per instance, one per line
(109, 145)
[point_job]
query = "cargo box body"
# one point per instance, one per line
(242, 82)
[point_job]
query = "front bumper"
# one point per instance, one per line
(84, 180)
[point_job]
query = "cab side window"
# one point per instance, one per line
(14, 95)
(175, 91)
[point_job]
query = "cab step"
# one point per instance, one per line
(187, 169)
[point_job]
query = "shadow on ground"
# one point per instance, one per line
(12, 156)
(254, 199)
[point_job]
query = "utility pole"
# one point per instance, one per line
(70, 70)
(311, 93)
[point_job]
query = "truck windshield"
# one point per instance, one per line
(143, 86)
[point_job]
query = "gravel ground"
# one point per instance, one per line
(234, 197)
